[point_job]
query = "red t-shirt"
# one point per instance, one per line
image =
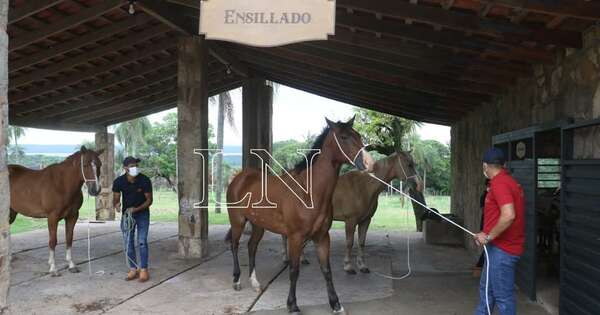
(505, 190)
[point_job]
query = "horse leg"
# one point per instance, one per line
(362, 237)
(323, 245)
(284, 249)
(13, 216)
(350, 228)
(303, 259)
(295, 248)
(52, 227)
(236, 232)
(69, 227)
(257, 234)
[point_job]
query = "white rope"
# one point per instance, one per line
(128, 227)
(487, 273)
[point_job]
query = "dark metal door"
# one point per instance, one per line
(580, 231)
(524, 171)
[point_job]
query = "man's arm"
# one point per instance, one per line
(146, 203)
(117, 200)
(507, 217)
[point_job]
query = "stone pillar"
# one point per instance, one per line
(104, 201)
(4, 184)
(257, 120)
(192, 133)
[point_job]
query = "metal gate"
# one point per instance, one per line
(580, 230)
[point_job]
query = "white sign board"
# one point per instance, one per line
(267, 23)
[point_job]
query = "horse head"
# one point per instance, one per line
(404, 169)
(89, 164)
(350, 147)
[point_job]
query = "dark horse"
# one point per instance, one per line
(55, 193)
(291, 214)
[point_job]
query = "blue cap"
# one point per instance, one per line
(494, 156)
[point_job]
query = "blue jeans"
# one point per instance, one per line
(501, 288)
(142, 223)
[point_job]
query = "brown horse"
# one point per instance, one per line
(293, 214)
(55, 193)
(356, 195)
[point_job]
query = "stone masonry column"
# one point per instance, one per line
(104, 201)
(4, 184)
(192, 133)
(257, 120)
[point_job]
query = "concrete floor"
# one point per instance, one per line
(440, 282)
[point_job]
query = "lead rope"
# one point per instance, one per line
(487, 263)
(89, 237)
(128, 227)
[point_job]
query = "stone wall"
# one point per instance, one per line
(569, 88)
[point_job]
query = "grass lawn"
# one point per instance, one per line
(391, 214)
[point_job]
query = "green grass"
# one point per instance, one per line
(391, 214)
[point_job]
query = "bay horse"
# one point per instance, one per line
(291, 216)
(55, 193)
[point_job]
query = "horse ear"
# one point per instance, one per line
(83, 148)
(351, 121)
(330, 123)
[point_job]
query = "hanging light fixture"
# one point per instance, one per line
(131, 7)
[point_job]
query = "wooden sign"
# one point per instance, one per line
(267, 23)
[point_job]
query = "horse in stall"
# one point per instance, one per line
(290, 216)
(55, 193)
(356, 196)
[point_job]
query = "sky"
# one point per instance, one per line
(295, 115)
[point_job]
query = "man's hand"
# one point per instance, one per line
(118, 207)
(481, 238)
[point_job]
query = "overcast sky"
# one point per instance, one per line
(295, 114)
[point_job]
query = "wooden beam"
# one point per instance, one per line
(485, 9)
(97, 86)
(447, 5)
(501, 30)
(85, 57)
(77, 42)
(66, 23)
(555, 22)
(449, 39)
(29, 8)
(120, 61)
(518, 15)
(366, 72)
(397, 46)
(174, 17)
(54, 125)
(588, 10)
(276, 65)
(141, 113)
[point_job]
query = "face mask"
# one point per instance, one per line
(133, 171)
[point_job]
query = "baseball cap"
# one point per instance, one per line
(129, 160)
(494, 156)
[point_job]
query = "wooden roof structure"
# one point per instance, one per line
(85, 64)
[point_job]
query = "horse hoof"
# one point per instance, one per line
(74, 270)
(350, 271)
(305, 261)
(341, 311)
(365, 270)
(237, 286)
(54, 274)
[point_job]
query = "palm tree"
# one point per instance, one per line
(131, 134)
(225, 110)
(15, 151)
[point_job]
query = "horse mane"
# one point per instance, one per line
(318, 144)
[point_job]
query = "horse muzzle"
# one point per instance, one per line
(93, 189)
(364, 161)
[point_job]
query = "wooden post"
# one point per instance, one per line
(192, 133)
(104, 201)
(257, 120)
(4, 184)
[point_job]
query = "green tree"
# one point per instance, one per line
(225, 110)
(15, 151)
(132, 134)
(385, 133)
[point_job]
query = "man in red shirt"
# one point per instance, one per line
(503, 233)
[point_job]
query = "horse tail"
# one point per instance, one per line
(13, 216)
(228, 236)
